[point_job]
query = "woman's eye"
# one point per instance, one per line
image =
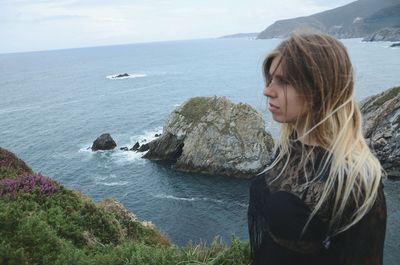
(279, 81)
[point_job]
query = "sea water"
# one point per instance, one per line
(53, 105)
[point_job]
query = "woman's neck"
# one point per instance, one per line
(305, 139)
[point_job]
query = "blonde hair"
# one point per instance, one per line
(319, 68)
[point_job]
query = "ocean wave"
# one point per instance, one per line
(146, 136)
(126, 157)
(171, 197)
(122, 157)
(164, 196)
(116, 183)
(138, 89)
(125, 76)
(16, 109)
(86, 149)
(104, 177)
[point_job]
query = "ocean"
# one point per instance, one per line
(54, 104)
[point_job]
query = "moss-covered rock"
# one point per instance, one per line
(215, 136)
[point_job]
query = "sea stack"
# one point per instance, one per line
(212, 135)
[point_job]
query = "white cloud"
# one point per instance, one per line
(49, 24)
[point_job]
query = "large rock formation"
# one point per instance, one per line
(215, 136)
(104, 142)
(382, 128)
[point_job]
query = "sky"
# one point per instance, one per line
(32, 25)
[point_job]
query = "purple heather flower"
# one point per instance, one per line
(27, 184)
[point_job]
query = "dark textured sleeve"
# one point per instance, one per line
(257, 222)
(363, 243)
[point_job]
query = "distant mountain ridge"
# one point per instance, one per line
(241, 35)
(354, 20)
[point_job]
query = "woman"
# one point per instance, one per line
(320, 201)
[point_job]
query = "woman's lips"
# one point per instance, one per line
(272, 107)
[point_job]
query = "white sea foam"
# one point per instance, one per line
(99, 177)
(164, 196)
(127, 157)
(123, 76)
(171, 197)
(86, 148)
(146, 136)
(122, 157)
(116, 183)
(244, 205)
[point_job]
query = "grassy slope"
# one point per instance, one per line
(43, 222)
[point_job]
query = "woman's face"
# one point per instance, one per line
(284, 108)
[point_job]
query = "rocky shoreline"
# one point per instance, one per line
(208, 135)
(214, 136)
(385, 34)
(381, 114)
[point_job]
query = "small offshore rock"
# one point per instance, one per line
(124, 148)
(122, 75)
(157, 135)
(395, 45)
(104, 142)
(135, 147)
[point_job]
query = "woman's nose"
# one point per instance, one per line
(269, 92)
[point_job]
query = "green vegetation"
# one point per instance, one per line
(393, 92)
(197, 107)
(43, 222)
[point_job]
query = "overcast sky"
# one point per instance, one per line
(28, 25)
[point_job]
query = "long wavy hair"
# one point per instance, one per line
(319, 68)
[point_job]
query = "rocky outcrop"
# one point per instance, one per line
(122, 75)
(104, 142)
(113, 206)
(11, 165)
(354, 20)
(386, 34)
(215, 136)
(167, 147)
(135, 147)
(381, 115)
